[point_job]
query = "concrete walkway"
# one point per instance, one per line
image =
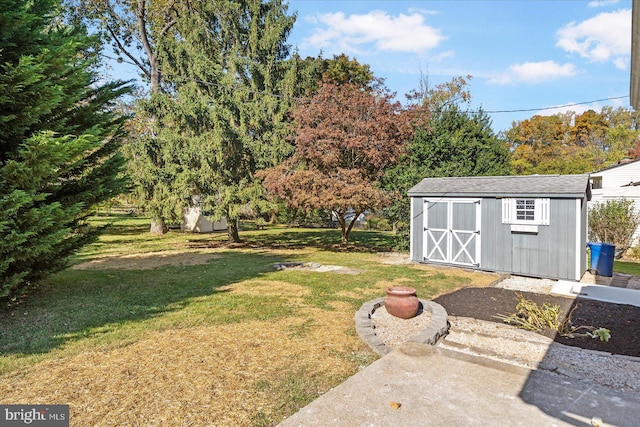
(618, 289)
(614, 294)
(421, 385)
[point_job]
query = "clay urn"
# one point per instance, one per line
(401, 301)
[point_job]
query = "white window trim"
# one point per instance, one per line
(541, 211)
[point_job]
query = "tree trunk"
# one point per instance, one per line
(347, 230)
(344, 235)
(345, 238)
(158, 226)
(153, 71)
(232, 231)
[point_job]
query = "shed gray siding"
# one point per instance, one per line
(417, 225)
(495, 237)
(583, 238)
(549, 253)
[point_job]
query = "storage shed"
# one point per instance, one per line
(532, 225)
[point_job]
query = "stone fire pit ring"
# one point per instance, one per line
(437, 328)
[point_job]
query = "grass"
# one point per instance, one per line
(626, 267)
(301, 321)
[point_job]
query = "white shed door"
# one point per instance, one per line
(452, 231)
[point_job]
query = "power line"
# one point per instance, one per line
(522, 110)
(557, 107)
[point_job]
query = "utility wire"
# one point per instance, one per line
(559, 106)
(285, 97)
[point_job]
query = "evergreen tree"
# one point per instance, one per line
(220, 95)
(228, 113)
(458, 143)
(454, 142)
(307, 75)
(58, 141)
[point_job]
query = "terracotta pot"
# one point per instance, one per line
(401, 301)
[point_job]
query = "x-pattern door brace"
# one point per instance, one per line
(463, 246)
(437, 244)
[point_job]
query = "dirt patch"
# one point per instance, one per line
(146, 261)
(318, 268)
(395, 258)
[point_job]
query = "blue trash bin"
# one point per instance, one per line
(605, 262)
(602, 255)
(595, 255)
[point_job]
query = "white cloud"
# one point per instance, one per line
(423, 11)
(535, 72)
(600, 3)
(605, 37)
(401, 33)
(439, 57)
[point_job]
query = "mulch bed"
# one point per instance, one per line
(621, 319)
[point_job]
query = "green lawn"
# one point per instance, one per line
(626, 267)
(106, 310)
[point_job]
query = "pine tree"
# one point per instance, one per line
(227, 115)
(59, 140)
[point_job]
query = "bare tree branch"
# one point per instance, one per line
(127, 53)
(154, 73)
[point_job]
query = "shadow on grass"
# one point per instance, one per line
(109, 304)
(322, 238)
(123, 230)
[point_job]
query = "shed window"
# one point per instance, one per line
(525, 211)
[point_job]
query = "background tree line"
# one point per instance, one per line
(229, 112)
(573, 142)
(237, 118)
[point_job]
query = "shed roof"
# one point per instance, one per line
(552, 186)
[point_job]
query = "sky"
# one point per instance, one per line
(535, 55)
(540, 56)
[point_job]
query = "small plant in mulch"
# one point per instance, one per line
(532, 317)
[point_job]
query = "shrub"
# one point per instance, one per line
(402, 240)
(614, 222)
(531, 317)
(634, 252)
(375, 222)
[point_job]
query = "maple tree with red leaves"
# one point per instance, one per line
(634, 153)
(345, 137)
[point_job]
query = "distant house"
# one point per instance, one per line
(526, 225)
(197, 221)
(621, 181)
